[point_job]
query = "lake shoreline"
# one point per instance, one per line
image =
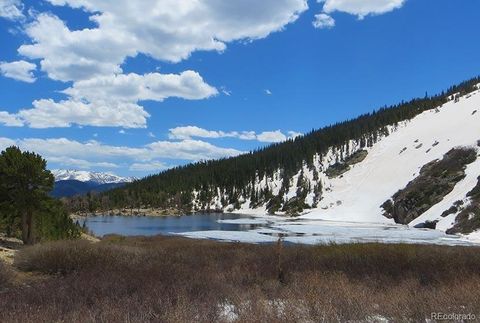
(146, 212)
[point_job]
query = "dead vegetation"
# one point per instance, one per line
(179, 280)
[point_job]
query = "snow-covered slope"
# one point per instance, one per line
(392, 162)
(389, 167)
(85, 176)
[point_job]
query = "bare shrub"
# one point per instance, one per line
(180, 280)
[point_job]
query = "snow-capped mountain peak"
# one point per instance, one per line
(86, 176)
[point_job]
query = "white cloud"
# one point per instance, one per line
(268, 92)
(76, 154)
(20, 71)
(168, 30)
(294, 134)
(272, 136)
(323, 21)
(10, 120)
(189, 132)
(74, 55)
(6, 142)
(50, 114)
(11, 9)
(65, 148)
(226, 91)
(194, 150)
(112, 101)
(148, 167)
(358, 8)
(133, 87)
(80, 163)
(122, 132)
(362, 8)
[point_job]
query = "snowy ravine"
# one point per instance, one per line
(391, 163)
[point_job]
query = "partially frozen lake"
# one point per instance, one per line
(242, 228)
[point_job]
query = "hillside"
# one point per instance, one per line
(70, 188)
(344, 172)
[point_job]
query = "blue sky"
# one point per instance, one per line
(135, 88)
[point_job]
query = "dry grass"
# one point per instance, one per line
(5, 276)
(180, 280)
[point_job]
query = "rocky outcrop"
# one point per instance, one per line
(340, 168)
(468, 220)
(436, 180)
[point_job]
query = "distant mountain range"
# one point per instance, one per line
(85, 176)
(69, 183)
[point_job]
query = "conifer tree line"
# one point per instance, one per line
(235, 177)
(26, 209)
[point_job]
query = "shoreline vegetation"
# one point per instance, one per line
(155, 212)
(173, 279)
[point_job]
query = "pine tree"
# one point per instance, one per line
(24, 186)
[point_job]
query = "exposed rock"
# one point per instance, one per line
(435, 181)
(427, 225)
(468, 220)
(452, 210)
(340, 168)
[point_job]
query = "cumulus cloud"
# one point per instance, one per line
(112, 101)
(189, 149)
(80, 163)
(133, 87)
(148, 167)
(51, 114)
(19, 70)
(167, 30)
(11, 9)
(323, 21)
(271, 136)
(10, 120)
(76, 154)
(6, 142)
(188, 132)
(294, 134)
(361, 9)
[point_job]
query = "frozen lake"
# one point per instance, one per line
(242, 228)
(167, 225)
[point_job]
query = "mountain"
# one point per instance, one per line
(70, 183)
(414, 163)
(93, 177)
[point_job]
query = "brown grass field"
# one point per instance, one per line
(166, 279)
